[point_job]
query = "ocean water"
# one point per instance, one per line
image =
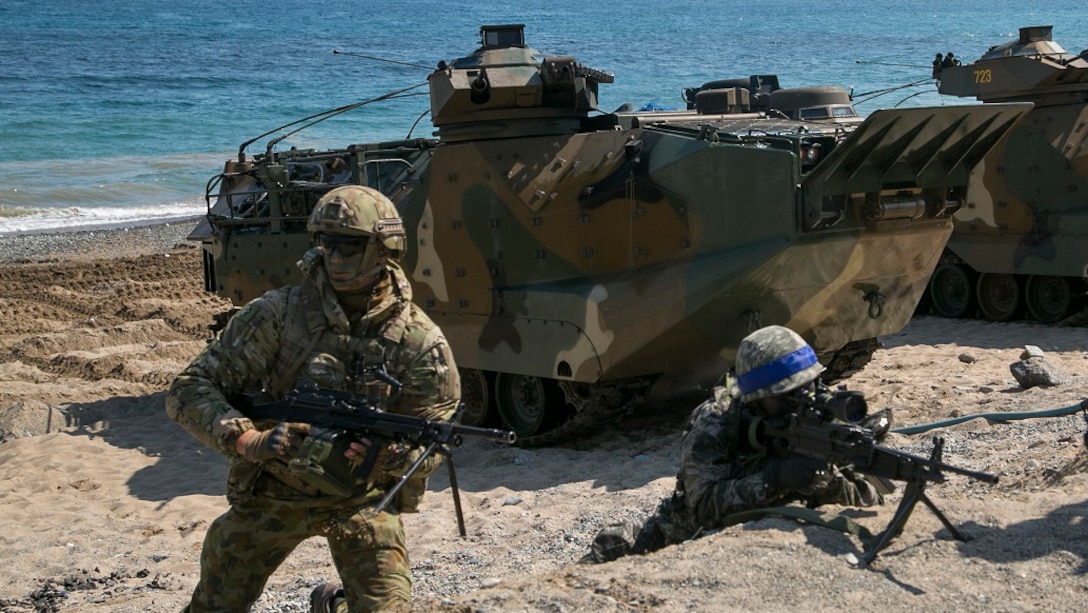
(117, 113)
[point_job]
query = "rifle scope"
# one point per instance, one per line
(845, 405)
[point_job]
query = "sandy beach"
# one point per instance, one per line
(104, 501)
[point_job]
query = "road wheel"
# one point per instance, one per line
(522, 402)
(1048, 298)
(998, 296)
(476, 394)
(950, 291)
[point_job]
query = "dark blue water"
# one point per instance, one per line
(119, 112)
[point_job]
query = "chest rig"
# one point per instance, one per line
(317, 350)
(311, 347)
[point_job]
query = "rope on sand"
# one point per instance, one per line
(998, 417)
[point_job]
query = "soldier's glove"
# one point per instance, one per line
(796, 473)
(280, 442)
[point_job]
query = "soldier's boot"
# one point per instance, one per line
(328, 598)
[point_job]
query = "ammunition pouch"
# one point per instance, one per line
(321, 463)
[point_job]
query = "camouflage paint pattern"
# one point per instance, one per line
(585, 249)
(633, 252)
(720, 474)
(273, 508)
(255, 229)
(246, 544)
(1027, 210)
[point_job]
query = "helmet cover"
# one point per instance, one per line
(774, 360)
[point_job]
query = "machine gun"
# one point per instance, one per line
(339, 418)
(826, 427)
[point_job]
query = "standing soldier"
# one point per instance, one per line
(721, 473)
(351, 315)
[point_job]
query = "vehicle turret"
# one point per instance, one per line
(507, 89)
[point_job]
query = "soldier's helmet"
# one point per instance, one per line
(356, 210)
(774, 360)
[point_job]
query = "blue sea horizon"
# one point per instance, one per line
(120, 116)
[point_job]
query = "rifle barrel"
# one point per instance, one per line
(338, 412)
(974, 474)
(488, 434)
(929, 465)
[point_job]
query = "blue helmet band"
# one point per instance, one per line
(777, 370)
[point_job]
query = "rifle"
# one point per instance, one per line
(826, 428)
(338, 418)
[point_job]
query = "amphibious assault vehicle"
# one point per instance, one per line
(1020, 245)
(581, 262)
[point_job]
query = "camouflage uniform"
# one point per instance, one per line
(303, 332)
(722, 473)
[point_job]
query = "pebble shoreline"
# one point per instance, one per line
(107, 243)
